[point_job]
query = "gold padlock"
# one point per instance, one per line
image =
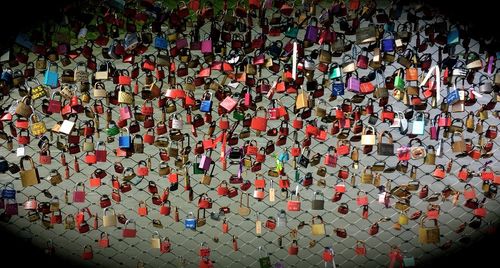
(38, 128)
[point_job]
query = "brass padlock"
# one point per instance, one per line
(321, 171)
(367, 176)
(413, 172)
(483, 114)
(377, 180)
(55, 177)
(430, 157)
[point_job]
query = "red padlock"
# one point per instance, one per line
(328, 254)
(204, 250)
(487, 174)
(343, 173)
(360, 248)
(104, 240)
(142, 169)
(142, 210)
(362, 198)
(491, 132)
(424, 191)
(222, 189)
(469, 192)
(463, 174)
(204, 201)
(433, 212)
(165, 208)
(298, 123)
(294, 248)
(439, 172)
(374, 228)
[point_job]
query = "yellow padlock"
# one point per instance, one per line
(403, 218)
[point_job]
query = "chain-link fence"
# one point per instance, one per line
(241, 245)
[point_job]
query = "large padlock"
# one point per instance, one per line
(259, 123)
(29, 177)
(428, 235)
(109, 217)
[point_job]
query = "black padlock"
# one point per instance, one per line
(304, 159)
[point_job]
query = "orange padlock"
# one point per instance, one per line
(143, 209)
(225, 226)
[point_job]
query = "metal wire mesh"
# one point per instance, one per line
(186, 243)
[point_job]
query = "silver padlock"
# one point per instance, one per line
(282, 221)
(309, 63)
(176, 122)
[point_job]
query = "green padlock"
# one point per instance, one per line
(335, 71)
(88, 144)
(238, 115)
(113, 129)
(399, 82)
(264, 261)
(196, 168)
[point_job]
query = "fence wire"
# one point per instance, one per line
(186, 243)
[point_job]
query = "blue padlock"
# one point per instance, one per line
(9, 192)
(389, 27)
(453, 37)
(7, 76)
(388, 44)
(4, 165)
(190, 222)
(284, 156)
(337, 88)
(206, 103)
(50, 78)
(160, 42)
(453, 97)
(125, 141)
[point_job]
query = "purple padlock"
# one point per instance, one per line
(353, 84)
(11, 207)
(312, 31)
(205, 162)
(279, 265)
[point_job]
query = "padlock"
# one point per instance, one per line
(343, 208)
(318, 202)
(206, 103)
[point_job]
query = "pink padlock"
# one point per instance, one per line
(31, 203)
(205, 162)
(125, 113)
